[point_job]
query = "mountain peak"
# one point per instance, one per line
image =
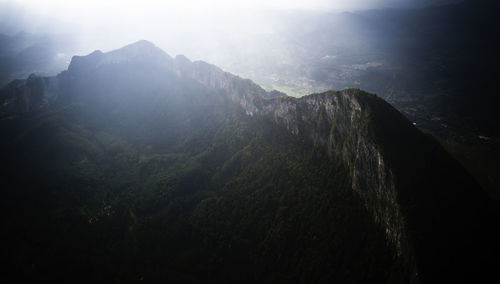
(142, 43)
(182, 58)
(140, 47)
(141, 51)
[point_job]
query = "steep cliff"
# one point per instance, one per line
(340, 123)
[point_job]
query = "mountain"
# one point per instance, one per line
(23, 53)
(134, 166)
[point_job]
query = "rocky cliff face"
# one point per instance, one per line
(337, 121)
(340, 122)
(334, 120)
(413, 189)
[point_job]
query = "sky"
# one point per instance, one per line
(85, 7)
(99, 12)
(114, 23)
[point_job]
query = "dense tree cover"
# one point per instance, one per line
(229, 198)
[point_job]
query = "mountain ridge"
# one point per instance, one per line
(220, 130)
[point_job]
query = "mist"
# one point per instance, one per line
(391, 48)
(192, 27)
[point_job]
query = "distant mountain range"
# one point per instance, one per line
(23, 53)
(133, 166)
(436, 64)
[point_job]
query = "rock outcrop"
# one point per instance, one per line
(340, 122)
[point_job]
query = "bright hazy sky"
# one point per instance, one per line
(132, 6)
(89, 13)
(173, 24)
